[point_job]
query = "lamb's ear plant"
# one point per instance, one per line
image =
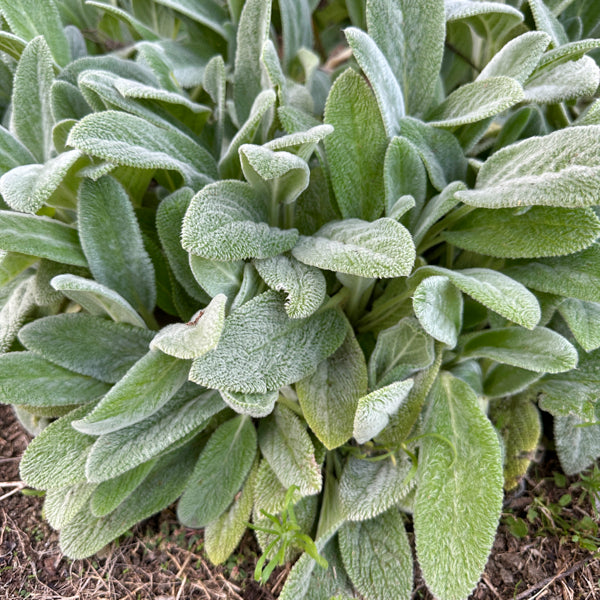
(311, 296)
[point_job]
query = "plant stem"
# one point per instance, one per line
(382, 312)
(433, 235)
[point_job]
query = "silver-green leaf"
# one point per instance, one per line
(498, 292)
(559, 169)
(97, 299)
(86, 344)
(374, 410)
(329, 396)
(113, 244)
(305, 286)
(219, 473)
(383, 248)
(42, 237)
(356, 148)
(27, 378)
(287, 447)
(146, 387)
(438, 305)
(368, 489)
(460, 481)
(128, 140)
(228, 221)
(378, 557)
(120, 451)
(199, 336)
(262, 349)
(541, 349)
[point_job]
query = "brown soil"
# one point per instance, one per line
(160, 560)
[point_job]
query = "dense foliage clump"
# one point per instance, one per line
(296, 287)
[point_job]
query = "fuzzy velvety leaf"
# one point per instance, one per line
(546, 21)
(411, 36)
(199, 336)
(403, 173)
(400, 350)
(29, 19)
(11, 44)
(147, 386)
(26, 378)
(569, 51)
(20, 302)
(109, 494)
(287, 447)
(31, 118)
(577, 443)
(573, 276)
(219, 473)
(368, 489)
(332, 582)
(539, 232)
(459, 498)
(518, 421)
(302, 143)
(329, 396)
(356, 148)
(12, 270)
(128, 140)
(28, 187)
(217, 277)
(169, 220)
(56, 458)
(262, 349)
(127, 18)
(112, 242)
(12, 152)
(116, 453)
(378, 557)
(63, 505)
(96, 298)
(505, 380)
(518, 58)
(130, 88)
(227, 221)
(488, 14)
(222, 535)
(255, 405)
(40, 236)
(559, 169)
(280, 176)
(477, 101)
(583, 319)
(305, 286)
(438, 305)
(86, 344)
(252, 32)
(541, 350)
(229, 165)
(493, 289)
(379, 73)
(374, 410)
(209, 12)
(85, 535)
(563, 81)
(297, 28)
(383, 248)
(439, 150)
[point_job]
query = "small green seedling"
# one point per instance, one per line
(288, 535)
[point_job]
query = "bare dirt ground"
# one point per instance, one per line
(555, 558)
